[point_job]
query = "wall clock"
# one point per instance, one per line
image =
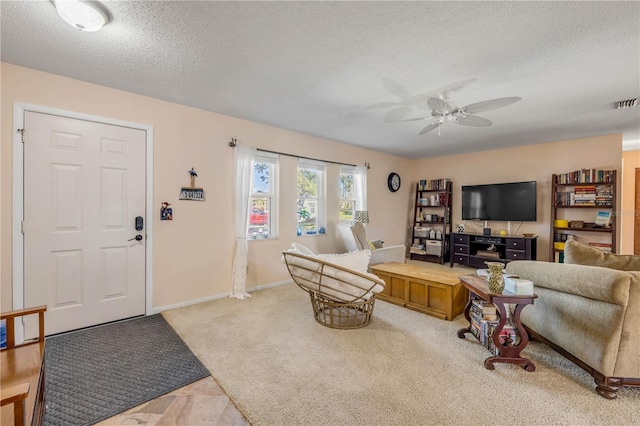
(393, 182)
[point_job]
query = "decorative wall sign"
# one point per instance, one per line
(192, 193)
(166, 212)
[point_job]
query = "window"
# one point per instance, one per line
(311, 175)
(347, 193)
(264, 203)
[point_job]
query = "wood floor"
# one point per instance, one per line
(200, 403)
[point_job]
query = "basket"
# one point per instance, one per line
(421, 232)
(341, 315)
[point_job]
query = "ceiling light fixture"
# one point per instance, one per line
(85, 15)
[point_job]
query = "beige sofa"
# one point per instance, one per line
(589, 312)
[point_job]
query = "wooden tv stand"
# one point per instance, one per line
(472, 249)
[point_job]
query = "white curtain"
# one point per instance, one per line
(360, 185)
(244, 156)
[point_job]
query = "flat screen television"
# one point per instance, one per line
(515, 201)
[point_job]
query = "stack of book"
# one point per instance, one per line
(604, 196)
(484, 321)
(417, 248)
(584, 196)
(482, 312)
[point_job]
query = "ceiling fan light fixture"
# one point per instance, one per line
(85, 15)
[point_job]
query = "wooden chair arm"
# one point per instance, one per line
(12, 315)
(14, 394)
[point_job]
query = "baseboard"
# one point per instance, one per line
(158, 309)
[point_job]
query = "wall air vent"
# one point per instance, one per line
(628, 103)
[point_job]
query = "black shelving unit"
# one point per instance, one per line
(432, 211)
(564, 205)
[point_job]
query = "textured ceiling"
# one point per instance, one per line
(344, 70)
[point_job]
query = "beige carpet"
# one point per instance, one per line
(406, 368)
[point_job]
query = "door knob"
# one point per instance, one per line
(137, 238)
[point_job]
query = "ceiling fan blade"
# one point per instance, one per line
(422, 104)
(439, 105)
(397, 113)
(383, 105)
(402, 120)
(395, 88)
(472, 120)
(430, 127)
(490, 105)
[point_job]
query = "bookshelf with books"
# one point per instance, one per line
(583, 203)
(432, 221)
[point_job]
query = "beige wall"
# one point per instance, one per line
(193, 253)
(533, 162)
(630, 162)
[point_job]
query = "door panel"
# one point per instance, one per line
(84, 184)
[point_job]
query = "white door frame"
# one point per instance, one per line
(19, 109)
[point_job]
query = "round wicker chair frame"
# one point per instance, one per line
(341, 298)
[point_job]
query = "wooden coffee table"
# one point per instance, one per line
(510, 353)
(428, 290)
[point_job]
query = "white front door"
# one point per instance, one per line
(84, 186)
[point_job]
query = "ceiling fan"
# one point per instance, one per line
(403, 106)
(441, 111)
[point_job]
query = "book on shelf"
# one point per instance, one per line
(586, 176)
(484, 307)
(605, 247)
(604, 196)
(479, 327)
(433, 184)
(417, 249)
(508, 337)
(585, 196)
(603, 219)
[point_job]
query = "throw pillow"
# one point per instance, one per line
(582, 254)
(360, 235)
(377, 243)
(299, 248)
(357, 260)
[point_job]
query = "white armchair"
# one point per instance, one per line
(354, 238)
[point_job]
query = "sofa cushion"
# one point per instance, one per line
(582, 254)
(357, 260)
(602, 284)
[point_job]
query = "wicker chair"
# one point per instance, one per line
(340, 297)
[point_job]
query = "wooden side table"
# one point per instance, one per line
(509, 353)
